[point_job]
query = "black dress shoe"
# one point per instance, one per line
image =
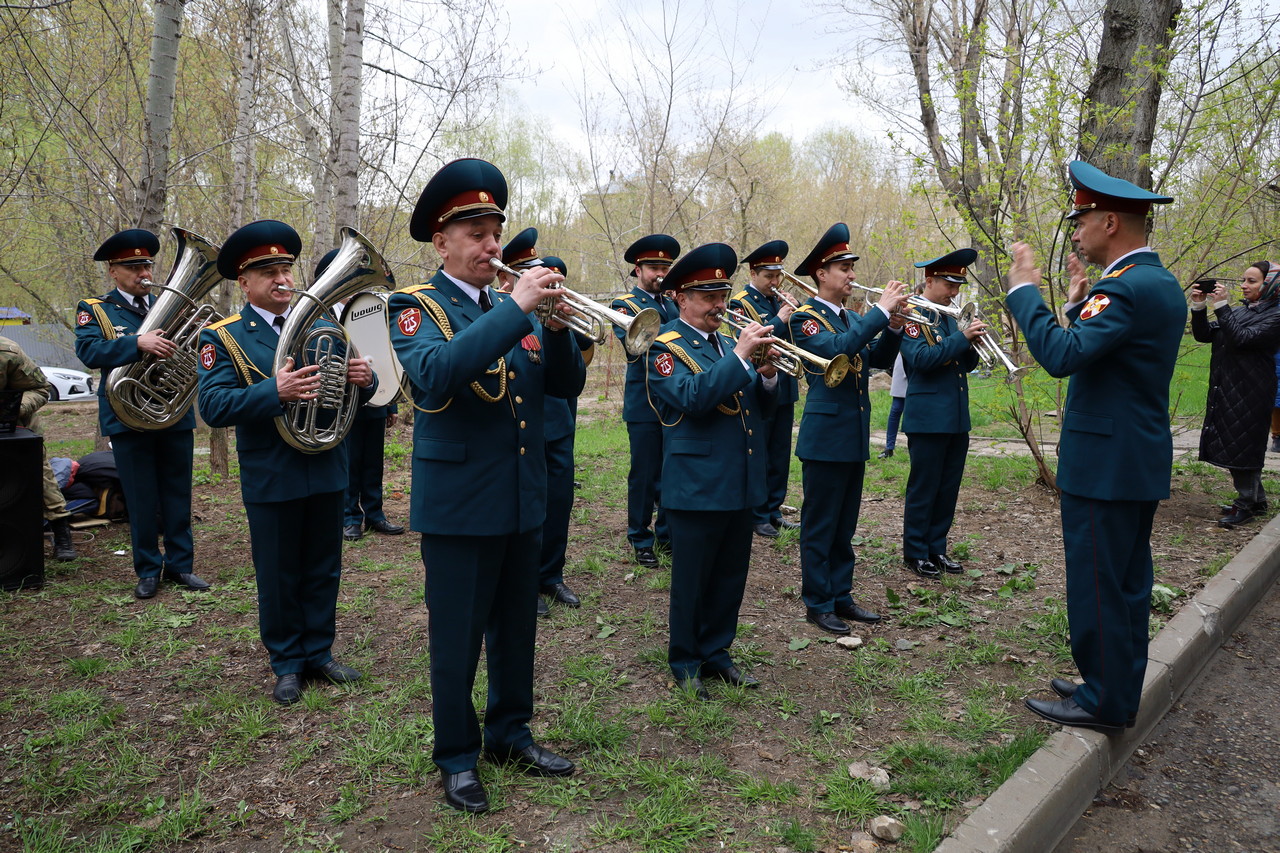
(693, 685)
(1067, 713)
(464, 792)
(146, 587)
(857, 613)
(1236, 516)
(948, 565)
(352, 532)
(384, 526)
(828, 622)
(187, 579)
(923, 568)
(733, 675)
(885, 454)
(543, 608)
(1065, 689)
(783, 524)
(533, 760)
(561, 593)
(337, 673)
(646, 557)
(288, 689)
(767, 530)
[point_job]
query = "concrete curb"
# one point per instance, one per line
(1037, 806)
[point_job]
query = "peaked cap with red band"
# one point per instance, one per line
(657, 249)
(522, 251)
(462, 189)
(129, 247)
(768, 257)
(833, 247)
(705, 268)
(258, 244)
(953, 266)
(1096, 190)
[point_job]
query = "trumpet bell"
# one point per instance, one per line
(642, 332)
(836, 371)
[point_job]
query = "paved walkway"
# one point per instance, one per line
(1206, 779)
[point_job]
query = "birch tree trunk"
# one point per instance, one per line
(244, 201)
(346, 118)
(162, 81)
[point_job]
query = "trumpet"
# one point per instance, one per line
(918, 309)
(991, 353)
(789, 358)
(592, 317)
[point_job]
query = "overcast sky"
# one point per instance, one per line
(777, 42)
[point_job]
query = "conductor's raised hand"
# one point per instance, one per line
(1078, 278)
(534, 285)
(1023, 270)
(294, 385)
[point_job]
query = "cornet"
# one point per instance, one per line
(790, 358)
(592, 317)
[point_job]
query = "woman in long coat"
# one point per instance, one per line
(1242, 382)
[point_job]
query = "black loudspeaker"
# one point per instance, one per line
(21, 510)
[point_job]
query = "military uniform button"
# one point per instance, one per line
(750, 432)
(747, 411)
(519, 399)
(522, 425)
(511, 374)
(522, 451)
(748, 451)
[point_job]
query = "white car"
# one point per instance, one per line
(65, 384)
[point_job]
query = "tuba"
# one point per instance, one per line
(319, 424)
(153, 393)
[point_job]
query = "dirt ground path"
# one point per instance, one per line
(1206, 780)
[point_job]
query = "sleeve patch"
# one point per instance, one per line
(208, 355)
(912, 330)
(664, 364)
(410, 321)
(1095, 306)
(83, 318)
(809, 327)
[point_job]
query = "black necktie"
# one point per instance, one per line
(844, 318)
(714, 339)
(140, 302)
(485, 302)
(278, 324)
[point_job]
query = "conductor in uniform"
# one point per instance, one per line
(154, 465)
(293, 500)
(650, 258)
(1115, 453)
(712, 402)
(560, 423)
(481, 369)
(937, 361)
(763, 302)
(835, 428)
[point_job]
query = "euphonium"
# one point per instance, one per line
(152, 392)
(319, 424)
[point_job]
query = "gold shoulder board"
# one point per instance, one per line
(667, 337)
(1119, 272)
(224, 321)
